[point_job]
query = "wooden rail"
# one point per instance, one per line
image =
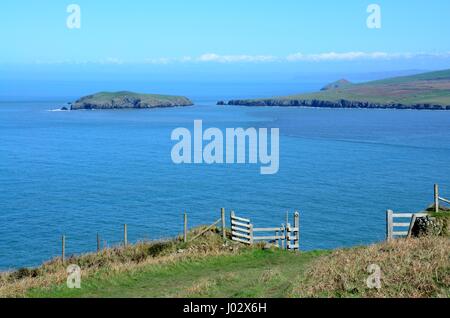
(206, 230)
(444, 200)
(396, 228)
(241, 229)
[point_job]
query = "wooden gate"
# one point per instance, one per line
(241, 229)
(400, 224)
(285, 236)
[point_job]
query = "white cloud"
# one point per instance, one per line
(112, 60)
(333, 56)
(212, 57)
(353, 56)
(300, 57)
(161, 60)
(243, 58)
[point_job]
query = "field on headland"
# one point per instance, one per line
(210, 267)
(422, 91)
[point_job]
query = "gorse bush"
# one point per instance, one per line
(409, 268)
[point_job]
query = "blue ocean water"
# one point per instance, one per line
(82, 172)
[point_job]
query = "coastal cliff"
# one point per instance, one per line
(125, 100)
(330, 104)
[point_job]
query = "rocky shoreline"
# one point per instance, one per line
(328, 104)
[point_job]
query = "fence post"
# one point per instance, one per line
(98, 243)
(288, 230)
(297, 225)
(125, 235)
(287, 218)
(389, 224)
(411, 226)
(185, 227)
(436, 198)
(251, 234)
(63, 249)
(222, 212)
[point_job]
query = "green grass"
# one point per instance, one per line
(252, 273)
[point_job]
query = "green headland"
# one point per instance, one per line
(423, 91)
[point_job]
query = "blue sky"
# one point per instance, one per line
(224, 35)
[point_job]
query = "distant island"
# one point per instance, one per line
(125, 100)
(423, 91)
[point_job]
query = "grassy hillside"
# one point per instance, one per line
(429, 76)
(210, 268)
(422, 91)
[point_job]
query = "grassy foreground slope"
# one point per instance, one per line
(250, 273)
(211, 268)
(422, 91)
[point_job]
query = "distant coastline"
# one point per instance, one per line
(427, 91)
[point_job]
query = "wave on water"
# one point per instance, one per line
(57, 110)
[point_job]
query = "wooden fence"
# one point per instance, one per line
(99, 247)
(185, 236)
(400, 224)
(438, 199)
(285, 237)
(221, 221)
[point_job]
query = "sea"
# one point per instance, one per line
(83, 173)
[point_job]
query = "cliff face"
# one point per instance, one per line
(122, 100)
(331, 104)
